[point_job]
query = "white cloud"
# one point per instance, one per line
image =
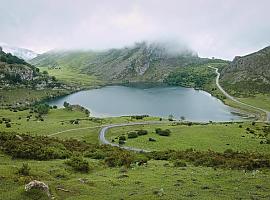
(211, 27)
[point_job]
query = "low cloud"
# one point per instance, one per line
(212, 28)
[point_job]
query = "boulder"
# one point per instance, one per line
(38, 185)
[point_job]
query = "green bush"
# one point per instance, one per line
(179, 163)
(24, 170)
(161, 132)
(42, 109)
(121, 142)
(120, 158)
(132, 134)
(122, 137)
(78, 164)
(142, 132)
(98, 154)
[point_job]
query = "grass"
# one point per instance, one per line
(73, 77)
(259, 100)
(58, 120)
(216, 137)
(157, 180)
(24, 96)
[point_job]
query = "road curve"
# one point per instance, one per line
(103, 131)
(235, 100)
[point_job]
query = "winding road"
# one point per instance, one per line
(235, 100)
(104, 130)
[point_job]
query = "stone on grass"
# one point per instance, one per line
(38, 185)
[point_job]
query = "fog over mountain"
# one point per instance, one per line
(221, 29)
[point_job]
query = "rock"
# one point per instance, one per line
(19, 137)
(159, 192)
(38, 185)
(59, 187)
(83, 180)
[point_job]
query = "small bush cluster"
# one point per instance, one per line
(161, 132)
(39, 147)
(78, 164)
(135, 134)
(24, 170)
(132, 134)
(142, 132)
(137, 117)
(229, 159)
(179, 163)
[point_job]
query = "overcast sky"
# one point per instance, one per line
(220, 28)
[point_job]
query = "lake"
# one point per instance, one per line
(111, 101)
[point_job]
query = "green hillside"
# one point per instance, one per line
(248, 75)
(142, 62)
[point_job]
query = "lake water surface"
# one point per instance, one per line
(113, 101)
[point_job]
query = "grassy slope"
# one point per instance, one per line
(74, 77)
(23, 95)
(216, 137)
(260, 100)
(142, 182)
(59, 120)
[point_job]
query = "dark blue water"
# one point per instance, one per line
(194, 105)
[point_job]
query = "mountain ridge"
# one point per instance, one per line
(149, 62)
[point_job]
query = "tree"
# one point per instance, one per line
(66, 104)
(182, 118)
(42, 109)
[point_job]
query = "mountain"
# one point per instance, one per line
(142, 62)
(248, 74)
(22, 53)
(17, 72)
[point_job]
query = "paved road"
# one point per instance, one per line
(235, 100)
(103, 131)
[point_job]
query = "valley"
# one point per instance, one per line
(185, 157)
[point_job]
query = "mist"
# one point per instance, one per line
(212, 28)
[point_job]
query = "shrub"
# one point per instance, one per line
(240, 126)
(142, 132)
(78, 164)
(132, 134)
(137, 117)
(120, 158)
(253, 123)
(8, 125)
(122, 137)
(152, 140)
(98, 154)
(161, 132)
(24, 170)
(54, 107)
(121, 142)
(189, 123)
(42, 109)
(179, 163)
